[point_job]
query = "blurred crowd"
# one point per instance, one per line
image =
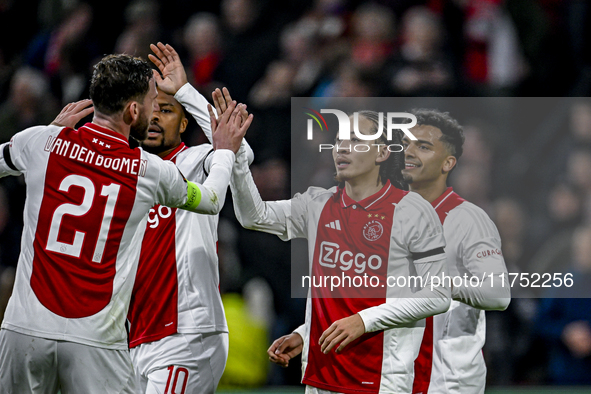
(534, 181)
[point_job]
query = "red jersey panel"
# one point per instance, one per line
(153, 311)
(353, 240)
(74, 261)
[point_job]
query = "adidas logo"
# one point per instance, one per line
(335, 225)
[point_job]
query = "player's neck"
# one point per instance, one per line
(360, 189)
(430, 191)
(112, 123)
(168, 151)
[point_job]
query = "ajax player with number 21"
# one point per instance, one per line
(87, 194)
(356, 339)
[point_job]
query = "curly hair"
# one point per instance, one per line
(118, 79)
(453, 133)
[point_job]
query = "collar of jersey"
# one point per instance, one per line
(103, 131)
(175, 152)
(443, 197)
(367, 202)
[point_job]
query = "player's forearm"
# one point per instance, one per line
(491, 294)
(486, 289)
(196, 105)
(251, 211)
(209, 197)
(432, 299)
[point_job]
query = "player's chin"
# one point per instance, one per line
(407, 177)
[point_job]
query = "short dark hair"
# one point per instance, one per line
(453, 133)
(118, 79)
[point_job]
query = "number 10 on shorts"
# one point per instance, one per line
(177, 380)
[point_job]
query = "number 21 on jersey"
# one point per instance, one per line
(110, 191)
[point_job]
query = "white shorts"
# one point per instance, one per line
(32, 364)
(181, 363)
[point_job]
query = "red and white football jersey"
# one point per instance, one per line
(450, 360)
(87, 193)
(179, 259)
(389, 234)
(177, 283)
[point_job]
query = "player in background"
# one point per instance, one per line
(366, 344)
(451, 358)
(87, 193)
(179, 339)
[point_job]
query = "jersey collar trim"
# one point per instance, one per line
(172, 155)
(439, 200)
(367, 202)
(106, 132)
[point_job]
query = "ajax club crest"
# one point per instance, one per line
(373, 230)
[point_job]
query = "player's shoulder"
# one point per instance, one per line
(413, 203)
(468, 211)
(413, 210)
(315, 194)
(37, 132)
(194, 154)
(34, 139)
(472, 219)
(198, 150)
(318, 192)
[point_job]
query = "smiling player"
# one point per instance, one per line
(451, 358)
(365, 344)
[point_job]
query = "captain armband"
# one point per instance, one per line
(193, 197)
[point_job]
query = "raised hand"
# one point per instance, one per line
(73, 113)
(169, 63)
(221, 100)
(285, 348)
(228, 131)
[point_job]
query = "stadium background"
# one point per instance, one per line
(533, 180)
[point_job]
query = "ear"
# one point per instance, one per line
(128, 113)
(183, 125)
(448, 164)
(131, 113)
(383, 155)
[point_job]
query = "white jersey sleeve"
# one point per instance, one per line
(167, 192)
(301, 330)
(196, 105)
(13, 154)
(474, 240)
(286, 219)
(418, 228)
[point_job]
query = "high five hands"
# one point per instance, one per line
(229, 129)
(169, 63)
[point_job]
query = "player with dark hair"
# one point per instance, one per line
(451, 358)
(377, 230)
(390, 169)
(179, 339)
(88, 193)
